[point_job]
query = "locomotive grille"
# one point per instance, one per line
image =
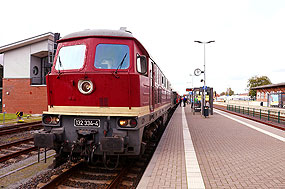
(103, 102)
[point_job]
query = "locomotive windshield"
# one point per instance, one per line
(70, 57)
(112, 56)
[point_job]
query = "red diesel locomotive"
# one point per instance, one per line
(106, 96)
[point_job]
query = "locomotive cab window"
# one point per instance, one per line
(112, 56)
(70, 57)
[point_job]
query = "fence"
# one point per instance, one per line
(262, 114)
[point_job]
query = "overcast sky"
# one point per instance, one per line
(249, 34)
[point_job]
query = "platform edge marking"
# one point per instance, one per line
(193, 172)
(253, 127)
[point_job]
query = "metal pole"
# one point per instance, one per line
(204, 96)
(204, 90)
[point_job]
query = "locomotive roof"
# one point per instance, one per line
(123, 33)
(99, 32)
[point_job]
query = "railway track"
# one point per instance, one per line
(19, 128)
(82, 175)
(15, 149)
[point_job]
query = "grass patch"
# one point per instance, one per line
(13, 117)
(8, 117)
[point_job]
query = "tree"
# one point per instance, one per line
(230, 92)
(256, 81)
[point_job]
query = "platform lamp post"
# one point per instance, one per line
(204, 91)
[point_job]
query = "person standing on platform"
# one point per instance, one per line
(184, 101)
(208, 104)
(180, 101)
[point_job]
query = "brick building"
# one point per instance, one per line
(273, 94)
(25, 65)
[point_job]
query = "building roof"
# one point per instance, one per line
(270, 86)
(28, 41)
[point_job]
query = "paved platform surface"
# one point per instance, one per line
(231, 152)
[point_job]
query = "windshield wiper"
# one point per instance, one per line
(120, 66)
(60, 66)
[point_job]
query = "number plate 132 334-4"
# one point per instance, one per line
(87, 122)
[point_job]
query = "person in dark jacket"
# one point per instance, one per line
(184, 101)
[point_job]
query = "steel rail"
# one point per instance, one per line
(58, 179)
(25, 166)
(18, 153)
(16, 143)
(118, 178)
(13, 126)
(19, 129)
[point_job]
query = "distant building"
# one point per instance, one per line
(274, 94)
(25, 65)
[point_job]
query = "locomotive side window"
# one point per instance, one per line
(112, 56)
(70, 57)
(142, 64)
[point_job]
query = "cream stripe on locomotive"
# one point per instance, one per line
(102, 111)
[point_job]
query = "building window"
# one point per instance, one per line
(40, 67)
(262, 95)
(258, 95)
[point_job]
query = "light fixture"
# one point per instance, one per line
(85, 86)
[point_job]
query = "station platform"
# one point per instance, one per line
(220, 151)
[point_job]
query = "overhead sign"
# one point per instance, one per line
(189, 89)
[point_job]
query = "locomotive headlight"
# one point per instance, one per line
(47, 119)
(54, 120)
(133, 123)
(123, 122)
(85, 86)
(127, 123)
(51, 120)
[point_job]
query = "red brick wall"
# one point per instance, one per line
(23, 97)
